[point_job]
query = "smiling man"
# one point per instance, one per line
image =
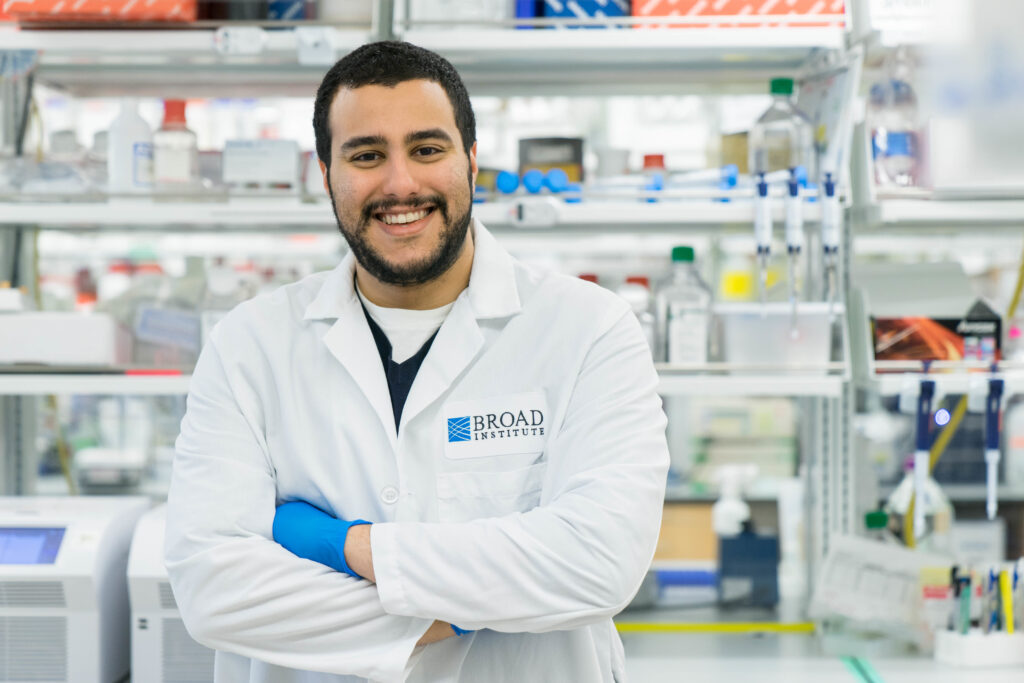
(432, 463)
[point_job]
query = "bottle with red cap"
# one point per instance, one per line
(175, 151)
(636, 290)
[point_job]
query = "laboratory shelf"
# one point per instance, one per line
(638, 60)
(672, 383)
(188, 62)
(957, 381)
(237, 214)
(966, 493)
(778, 383)
(942, 214)
(492, 60)
(286, 214)
(19, 384)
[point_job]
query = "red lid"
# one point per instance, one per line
(174, 112)
(149, 267)
(639, 280)
(120, 267)
(589, 277)
(654, 161)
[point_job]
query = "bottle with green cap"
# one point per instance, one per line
(684, 312)
(781, 139)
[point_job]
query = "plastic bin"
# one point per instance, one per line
(761, 334)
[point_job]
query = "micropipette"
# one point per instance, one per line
(831, 220)
(794, 236)
(922, 455)
(995, 396)
(763, 233)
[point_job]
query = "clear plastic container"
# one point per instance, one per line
(937, 536)
(781, 138)
(768, 335)
(893, 120)
(684, 312)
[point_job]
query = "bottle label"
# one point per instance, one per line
(173, 165)
(142, 164)
(687, 330)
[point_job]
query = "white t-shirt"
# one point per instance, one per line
(407, 330)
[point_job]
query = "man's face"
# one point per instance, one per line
(399, 179)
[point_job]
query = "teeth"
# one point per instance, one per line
(401, 218)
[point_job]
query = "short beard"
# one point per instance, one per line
(452, 236)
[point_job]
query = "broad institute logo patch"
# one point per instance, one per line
(458, 429)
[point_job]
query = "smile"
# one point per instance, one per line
(403, 218)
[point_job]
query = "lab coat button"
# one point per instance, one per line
(389, 494)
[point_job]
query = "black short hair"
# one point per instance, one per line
(389, 63)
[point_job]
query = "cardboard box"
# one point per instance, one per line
(975, 336)
(686, 533)
(545, 154)
(101, 10)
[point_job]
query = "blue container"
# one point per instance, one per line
(533, 180)
(587, 9)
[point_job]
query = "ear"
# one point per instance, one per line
(323, 172)
(472, 164)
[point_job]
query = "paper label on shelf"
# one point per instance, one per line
(239, 40)
(687, 334)
(167, 327)
(142, 164)
(315, 46)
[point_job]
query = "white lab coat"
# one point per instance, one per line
(535, 538)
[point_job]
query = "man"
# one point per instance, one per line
(498, 425)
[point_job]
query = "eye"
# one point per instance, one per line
(428, 151)
(365, 157)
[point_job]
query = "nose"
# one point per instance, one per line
(399, 178)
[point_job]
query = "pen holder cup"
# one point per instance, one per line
(977, 649)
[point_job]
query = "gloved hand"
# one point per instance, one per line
(311, 533)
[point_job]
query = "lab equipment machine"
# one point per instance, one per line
(63, 588)
(162, 649)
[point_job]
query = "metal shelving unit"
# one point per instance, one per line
(737, 59)
(291, 214)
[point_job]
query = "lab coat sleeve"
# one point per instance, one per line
(239, 591)
(578, 557)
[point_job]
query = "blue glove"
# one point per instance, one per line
(460, 631)
(311, 533)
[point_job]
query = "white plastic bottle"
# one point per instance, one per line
(781, 138)
(129, 152)
(684, 312)
(636, 290)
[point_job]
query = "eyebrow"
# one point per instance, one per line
(429, 134)
(380, 141)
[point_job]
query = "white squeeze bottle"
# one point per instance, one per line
(684, 311)
(129, 152)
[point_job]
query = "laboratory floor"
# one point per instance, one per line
(779, 658)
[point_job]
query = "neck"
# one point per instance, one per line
(440, 291)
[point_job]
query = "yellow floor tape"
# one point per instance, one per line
(735, 627)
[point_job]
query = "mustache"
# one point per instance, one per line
(380, 205)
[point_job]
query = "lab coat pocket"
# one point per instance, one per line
(463, 496)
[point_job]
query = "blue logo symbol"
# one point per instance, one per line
(458, 429)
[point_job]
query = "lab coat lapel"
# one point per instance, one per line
(349, 340)
(492, 293)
